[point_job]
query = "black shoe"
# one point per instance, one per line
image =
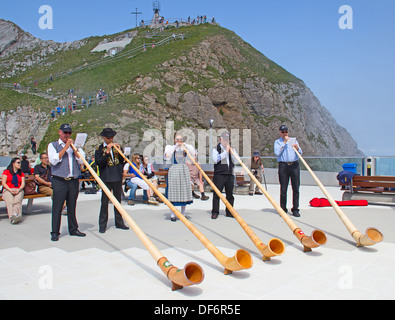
(54, 236)
(296, 213)
(214, 216)
(195, 195)
(204, 198)
(123, 227)
(102, 231)
(229, 215)
(78, 233)
(173, 219)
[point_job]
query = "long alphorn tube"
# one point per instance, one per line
(372, 235)
(275, 246)
(192, 272)
(317, 237)
(241, 260)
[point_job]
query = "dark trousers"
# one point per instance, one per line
(221, 181)
(116, 188)
(286, 171)
(64, 191)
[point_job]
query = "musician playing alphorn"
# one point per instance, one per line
(223, 173)
(288, 167)
(179, 188)
(110, 164)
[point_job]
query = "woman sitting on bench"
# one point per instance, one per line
(13, 181)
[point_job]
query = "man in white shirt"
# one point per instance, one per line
(65, 171)
(288, 167)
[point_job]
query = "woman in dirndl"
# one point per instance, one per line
(179, 187)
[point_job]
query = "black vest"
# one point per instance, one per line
(222, 166)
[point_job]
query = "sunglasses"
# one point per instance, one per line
(17, 162)
(284, 131)
(67, 132)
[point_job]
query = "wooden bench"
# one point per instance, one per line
(30, 198)
(375, 189)
(85, 180)
(162, 178)
(375, 184)
(239, 178)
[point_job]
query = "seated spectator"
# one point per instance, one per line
(85, 174)
(43, 176)
(32, 164)
(148, 170)
(135, 179)
(13, 182)
(25, 166)
(196, 178)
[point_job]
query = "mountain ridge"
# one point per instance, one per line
(211, 74)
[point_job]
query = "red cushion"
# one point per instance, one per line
(322, 202)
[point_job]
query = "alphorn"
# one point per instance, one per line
(317, 237)
(192, 272)
(241, 260)
(275, 246)
(372, 235)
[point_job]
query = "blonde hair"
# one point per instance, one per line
(134, 157)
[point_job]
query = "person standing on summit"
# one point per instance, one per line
(110, 164)
(65, 172)
(288, 167)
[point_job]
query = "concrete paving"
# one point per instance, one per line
(115, 265)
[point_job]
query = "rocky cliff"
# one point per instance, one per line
(197, 88)
(16, 127)
(14, 41)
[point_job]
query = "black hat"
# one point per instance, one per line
(108, 133)
(65, 127)
(256, 154)
(283, 128)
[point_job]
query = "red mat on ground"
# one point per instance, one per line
(322, 202)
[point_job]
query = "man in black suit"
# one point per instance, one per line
(223, 173)
(110, 164)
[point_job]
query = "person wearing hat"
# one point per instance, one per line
(288, 167)
(257, 170)
(65, 185)
(110, 164)
(223, 173)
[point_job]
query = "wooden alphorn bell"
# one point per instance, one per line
(317, 237)
(372, 235)
(192, 272)
(241, 260)
(275, 246)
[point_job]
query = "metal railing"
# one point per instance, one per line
(122, 55)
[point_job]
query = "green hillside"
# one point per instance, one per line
(115, 74)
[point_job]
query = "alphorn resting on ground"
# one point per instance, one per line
(372, 235)
(192, 272)
(241, 260)
(275, 246)
(317, 237)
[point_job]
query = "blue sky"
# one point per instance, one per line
(351, 72)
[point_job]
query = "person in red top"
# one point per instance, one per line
(13, 182)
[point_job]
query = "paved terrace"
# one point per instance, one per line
(115, 265)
